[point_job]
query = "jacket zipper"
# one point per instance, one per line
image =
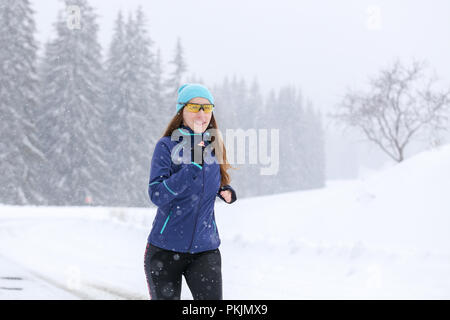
(198, 207)
(200, 201)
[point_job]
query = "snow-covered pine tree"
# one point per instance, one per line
(314, 152)
(72, 119)
(179, 67)
(162, 96)
(255, 102)
(20, 150)
(306, 157)
(270, 184)
(285, 116)
(225, 120)
(141, 117)
(239, 116)
(222, 98)
(240, 107)
(255, 114)
(117, 104)
(301, 145)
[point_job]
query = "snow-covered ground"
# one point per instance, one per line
(384, 236)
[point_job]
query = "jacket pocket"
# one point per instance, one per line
(165, 222)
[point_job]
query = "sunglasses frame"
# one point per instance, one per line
(199, 104)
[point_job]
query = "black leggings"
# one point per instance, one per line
(164, 270)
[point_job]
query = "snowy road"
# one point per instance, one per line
(59, 257)
(17, 283)
(89, 255)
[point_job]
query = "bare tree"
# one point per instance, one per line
(401, 105)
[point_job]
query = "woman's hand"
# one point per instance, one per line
(226, 195)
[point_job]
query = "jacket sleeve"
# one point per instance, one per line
(233, 193)
(163, 187)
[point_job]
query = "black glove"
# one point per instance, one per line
(233, 193)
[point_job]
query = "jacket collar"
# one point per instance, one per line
(187, 131)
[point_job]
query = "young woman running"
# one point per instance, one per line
(184, 239)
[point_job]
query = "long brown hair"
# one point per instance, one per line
(216, 141)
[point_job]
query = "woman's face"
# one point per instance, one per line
(199, 121)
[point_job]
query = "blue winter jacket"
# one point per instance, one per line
(185, 194)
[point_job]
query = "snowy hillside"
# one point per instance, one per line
(384, 236)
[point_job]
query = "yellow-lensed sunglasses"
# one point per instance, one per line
(195, 107)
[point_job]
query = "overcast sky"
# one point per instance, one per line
(321, 46)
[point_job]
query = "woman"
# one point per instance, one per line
(184, 239)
